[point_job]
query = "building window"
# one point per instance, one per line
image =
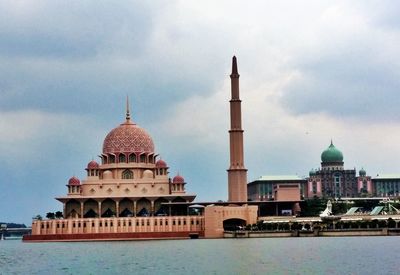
(132, 158)
(364, 186)
(127, 174)
(121, 158)
(337, 186)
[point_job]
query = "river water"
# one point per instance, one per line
(335, 255)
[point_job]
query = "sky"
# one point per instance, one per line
(311, 71)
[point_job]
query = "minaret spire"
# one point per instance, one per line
(237, 173)
(234, 66)
(128, 114)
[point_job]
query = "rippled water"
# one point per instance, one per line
(353, 255)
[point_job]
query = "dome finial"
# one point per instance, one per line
(331, 142)
(128, 115)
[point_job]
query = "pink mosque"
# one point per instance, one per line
(129, 195)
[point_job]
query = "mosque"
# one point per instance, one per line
(129, 194)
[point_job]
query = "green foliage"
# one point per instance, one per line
(366, 204)
(296, 226)
(339, 208)
(382, 224)
(58, 215)
(38, 217)
(312, 207)
(391, 223)
(50, 215)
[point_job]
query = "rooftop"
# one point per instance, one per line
(386, 176)
(281, 178)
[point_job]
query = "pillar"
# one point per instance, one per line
(64, 209)
(152, 208)
(81, 209)
(117, 209)
(99, 204)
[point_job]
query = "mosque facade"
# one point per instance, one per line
(130, 195)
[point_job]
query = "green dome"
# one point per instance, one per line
(312, 172)
(332, 154)
(362, 172)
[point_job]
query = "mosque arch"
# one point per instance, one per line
(127, 174)
(151, 158)
(126, 208)
(108, 208)
(233, 224)
(121, 158)
(142, 158)
(90, 209)
(111, 159)
(132, 157)
(143, 207)
(159, 209)
(72, 209)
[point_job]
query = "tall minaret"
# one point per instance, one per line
(237, 173)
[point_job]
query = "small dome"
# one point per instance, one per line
(148, 174)
(362, 172)
(107, 175)
(74, 181)
(332, 154)
(161, 164)
(312, 172)
(92, 165)
(178, 179)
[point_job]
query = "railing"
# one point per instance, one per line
(118, 225)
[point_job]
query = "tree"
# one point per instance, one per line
(59, 215)
(50, 215)
(38, 217)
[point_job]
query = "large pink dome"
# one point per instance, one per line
(128, 138)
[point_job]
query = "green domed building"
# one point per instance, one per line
(332, 180)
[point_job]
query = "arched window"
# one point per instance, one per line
(112, 159)
(127, 174)
(142, 158)
(132, 158)
(314, 187)
(121, 158)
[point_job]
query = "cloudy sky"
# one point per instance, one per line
(310, 71)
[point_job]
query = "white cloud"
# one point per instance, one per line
(28, 135)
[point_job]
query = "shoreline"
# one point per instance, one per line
(314, 233)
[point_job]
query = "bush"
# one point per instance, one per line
(391, 223)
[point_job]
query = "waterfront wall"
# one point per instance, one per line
(118, 225)
(113, 236)
(313, 233)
